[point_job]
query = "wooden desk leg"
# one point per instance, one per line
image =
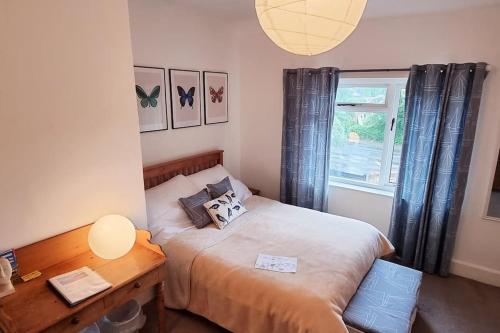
(160, 306)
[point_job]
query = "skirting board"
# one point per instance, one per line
(475, 272)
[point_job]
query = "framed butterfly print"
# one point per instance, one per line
(185, 98)
(151, 96)
(215, 97)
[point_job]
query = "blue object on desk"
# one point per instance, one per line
(10, 255)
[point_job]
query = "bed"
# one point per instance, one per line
(210, 272)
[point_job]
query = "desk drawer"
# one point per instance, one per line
(133, 289)
(79, 320)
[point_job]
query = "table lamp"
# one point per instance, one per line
(111, 236)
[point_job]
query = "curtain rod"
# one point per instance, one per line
(371, 70)
(374, 70)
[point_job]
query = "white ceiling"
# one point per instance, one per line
(381, 8)
(375, 8)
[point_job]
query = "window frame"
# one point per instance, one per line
(390, 108)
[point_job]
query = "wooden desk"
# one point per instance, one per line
(35, 307)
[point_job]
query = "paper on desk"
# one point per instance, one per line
(276, 263)
(78, 285)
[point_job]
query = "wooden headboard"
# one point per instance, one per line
(160, 173)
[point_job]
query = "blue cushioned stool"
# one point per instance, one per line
(386, 300)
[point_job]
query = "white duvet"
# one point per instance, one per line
(211, 272)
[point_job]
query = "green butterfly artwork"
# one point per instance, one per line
(151, 99)
(148, 100)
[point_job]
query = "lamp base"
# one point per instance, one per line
(6, 289)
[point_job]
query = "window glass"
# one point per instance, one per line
(361, 95)
(398, 138)
(367, 132)
(357, 145)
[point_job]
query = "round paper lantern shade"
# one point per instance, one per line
(309, 27)
(112, 236)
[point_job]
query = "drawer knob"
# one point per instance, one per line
(137, 285)
(75, 320)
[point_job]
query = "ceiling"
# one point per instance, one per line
(381, 8)
(375, 8)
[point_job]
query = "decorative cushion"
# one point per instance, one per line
(193, 206)
(214, 175)
(225, 209)
(386, 300)
(216, 190)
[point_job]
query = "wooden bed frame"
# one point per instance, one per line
(156, 174)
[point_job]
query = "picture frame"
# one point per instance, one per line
(216, 92)
(151, 97)
(185, 102)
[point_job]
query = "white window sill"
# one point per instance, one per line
(363, 189)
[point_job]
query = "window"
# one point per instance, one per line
(367, 133)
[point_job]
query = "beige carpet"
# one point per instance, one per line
(451, 304)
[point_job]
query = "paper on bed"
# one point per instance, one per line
(276, 263)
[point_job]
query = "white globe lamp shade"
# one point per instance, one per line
(111, 237)
(309, 27)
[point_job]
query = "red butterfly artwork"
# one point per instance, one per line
(216, 96)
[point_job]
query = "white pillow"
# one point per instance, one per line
(163, 207)
(224, 209)
(215, 175)
(240, 189)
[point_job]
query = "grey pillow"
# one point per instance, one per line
(216, 190)
(193, 206)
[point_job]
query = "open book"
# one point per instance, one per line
(78, 285)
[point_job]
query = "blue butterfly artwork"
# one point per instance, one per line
(183, 96)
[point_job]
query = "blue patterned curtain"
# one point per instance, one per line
(308, 106)
(442, 104)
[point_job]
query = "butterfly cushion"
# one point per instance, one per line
(224, 209)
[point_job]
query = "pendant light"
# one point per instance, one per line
(309, 27)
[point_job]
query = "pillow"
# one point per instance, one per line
(208, 176)
(216, 190)
(162, 203)
(224, 209)
(240, 189)
(215, 175)
(193, 206)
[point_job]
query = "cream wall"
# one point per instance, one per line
(174, 36)
(461, 36)
(69, 142)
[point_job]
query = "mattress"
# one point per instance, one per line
(211, 272)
